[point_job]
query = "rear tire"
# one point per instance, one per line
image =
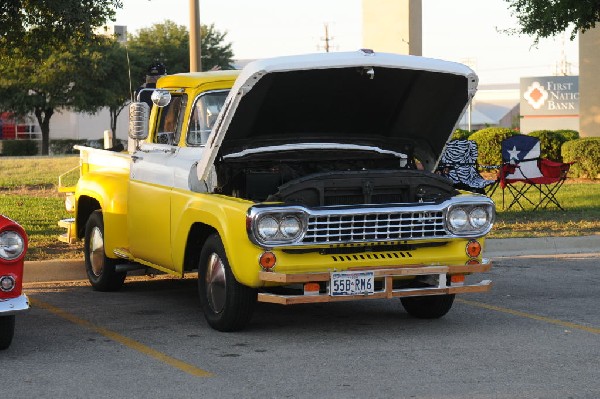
(227, 304)
(428, 307)
(7, 331)
(100, 268)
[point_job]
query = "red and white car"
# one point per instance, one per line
(13, 246)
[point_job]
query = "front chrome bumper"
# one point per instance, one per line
(13, 305)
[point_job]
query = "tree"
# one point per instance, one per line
(168, 43)
(215, 53)
(113, 85)
(39, 21)
(544, 18)
(84, 73)
(44, 80)
(48, 56)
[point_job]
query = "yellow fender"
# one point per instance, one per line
(110, 191)
(227, 216)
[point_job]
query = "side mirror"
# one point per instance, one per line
(161, 98)
(139, 113)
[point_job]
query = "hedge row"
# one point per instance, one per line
(19, 148)
(560, 145)
(557, 145)
(489, 143)
(585, 153)
(65, 146)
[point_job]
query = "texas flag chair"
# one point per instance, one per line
(523, 171)
(459, 164)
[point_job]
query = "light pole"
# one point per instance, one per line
(195, 40)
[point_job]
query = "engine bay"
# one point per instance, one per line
(327, 178)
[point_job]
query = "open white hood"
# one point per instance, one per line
(359, 97)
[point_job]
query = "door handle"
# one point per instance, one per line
(136, 158)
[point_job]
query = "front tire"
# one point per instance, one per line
(100, 268)
(7, 331)
(428, 307)
(227, 304)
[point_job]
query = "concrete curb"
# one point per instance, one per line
(73, 269)
(503, 247)
(54, 270)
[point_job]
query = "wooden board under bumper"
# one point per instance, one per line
(394, 271)
(298, 299)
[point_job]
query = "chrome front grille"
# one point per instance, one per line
(353, 226)
(383, 226)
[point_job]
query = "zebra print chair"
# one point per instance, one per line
(459, 164)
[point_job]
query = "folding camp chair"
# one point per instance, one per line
(522, 164)
(459, 164)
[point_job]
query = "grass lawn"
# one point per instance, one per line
(580, 199)
(28, 195)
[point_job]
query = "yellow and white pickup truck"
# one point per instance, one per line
(300, 179)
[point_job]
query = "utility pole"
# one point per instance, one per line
(195, 39)
(327, 39)
(563, 66)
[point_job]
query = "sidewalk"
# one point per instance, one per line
(73, 269)
(503, 247)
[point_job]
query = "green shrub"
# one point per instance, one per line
(95, 143)
(460, 134)
(550, 143)
(568, 134)
(585, 153)
(489, 142)
(19, 148)
(65, 146)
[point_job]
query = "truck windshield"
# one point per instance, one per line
(204, 115)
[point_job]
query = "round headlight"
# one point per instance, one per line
(267, 227)
(458, 218)
(12, 245)
(478, 217)
(7, 283)
(290, 227)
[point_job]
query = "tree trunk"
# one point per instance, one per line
(114, 114)
(113, 123)
(43, 117)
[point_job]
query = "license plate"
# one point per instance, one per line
(351, 283)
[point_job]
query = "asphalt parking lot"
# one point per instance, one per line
(535, 335)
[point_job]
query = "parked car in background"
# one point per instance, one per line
(13, 246)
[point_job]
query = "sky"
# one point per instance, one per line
(467, 31)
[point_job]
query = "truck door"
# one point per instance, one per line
(151, 183)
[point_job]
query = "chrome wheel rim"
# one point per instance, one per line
(215, 283)
(96, 252)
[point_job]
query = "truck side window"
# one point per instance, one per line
(169, 126)
(204, 115)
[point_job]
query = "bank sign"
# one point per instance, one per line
(550, 95)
